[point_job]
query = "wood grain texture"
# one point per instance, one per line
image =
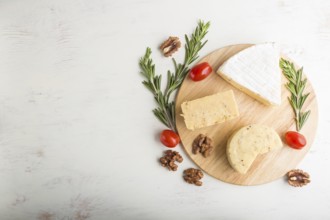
(266, 167)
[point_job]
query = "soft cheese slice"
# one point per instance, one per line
(256, 72)
(209, 110)
(248, 142)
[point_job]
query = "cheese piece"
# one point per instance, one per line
(256, 72)
(209, 110)
(248, 142)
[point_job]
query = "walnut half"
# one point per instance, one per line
(298, 178)
(169, 159)
(203, 145)
(193, 176)
(171, 45)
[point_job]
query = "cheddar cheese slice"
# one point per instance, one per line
(209, 110)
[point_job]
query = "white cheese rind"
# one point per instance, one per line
(248, 142)
(210, 110)
(256, 72)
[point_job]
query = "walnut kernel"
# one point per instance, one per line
(169, 158)
(298, 178)
(193, 176)
(171, 45)
(203, 145)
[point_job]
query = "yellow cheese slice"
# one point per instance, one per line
(210, 110)
(248, 142)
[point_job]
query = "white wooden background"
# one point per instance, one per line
(78, 140)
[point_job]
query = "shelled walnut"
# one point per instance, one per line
(193, 176)
(298, 178)
(202, 144)
(169, 159)
(171, 45)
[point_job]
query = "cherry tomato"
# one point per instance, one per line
(169, 138)
(200, 71)
(295, 139)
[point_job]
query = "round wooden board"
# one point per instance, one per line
(266, 167)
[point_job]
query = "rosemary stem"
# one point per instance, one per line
(165, 110)
(296, 85)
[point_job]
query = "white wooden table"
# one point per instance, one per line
(78, 140)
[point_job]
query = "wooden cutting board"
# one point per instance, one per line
(266, 167)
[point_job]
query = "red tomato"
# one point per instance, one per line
(295, 139)
(200, 71)
(169, 138)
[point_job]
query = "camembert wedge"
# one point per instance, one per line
(210, 110)
(248, 142)
(256, 72)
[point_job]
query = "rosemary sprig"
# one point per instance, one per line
(296, 85)
(165, 110)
